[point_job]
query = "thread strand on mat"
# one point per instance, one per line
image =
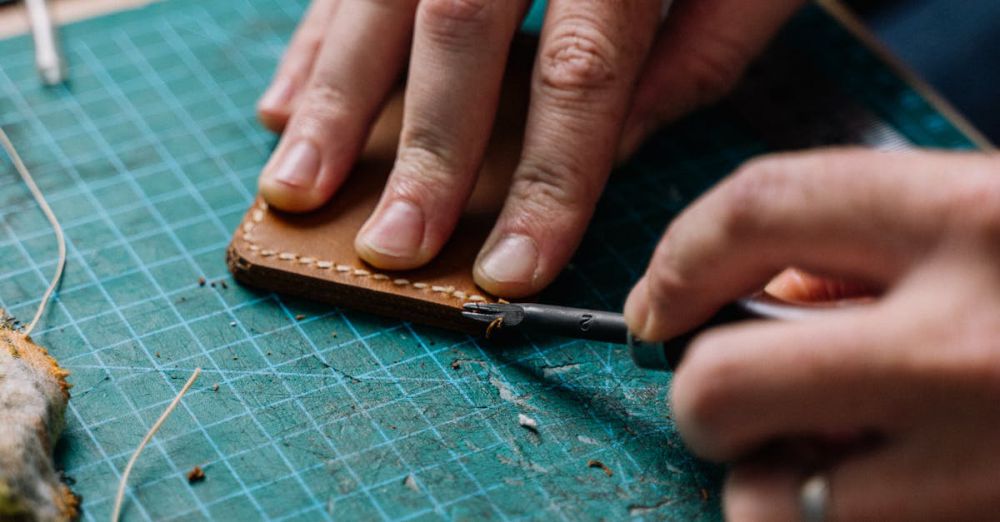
(51, 216)
(120, 496)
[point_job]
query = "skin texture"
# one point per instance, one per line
(896, 399)
(606, 74)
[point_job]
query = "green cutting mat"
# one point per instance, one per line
(150, 157)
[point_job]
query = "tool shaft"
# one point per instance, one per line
(575, 322)
(48, 57)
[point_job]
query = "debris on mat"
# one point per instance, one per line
(527, 423)
(33, 396)
(196, 475)
(594, 463)
(411, 482)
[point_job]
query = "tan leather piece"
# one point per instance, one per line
(312, 255)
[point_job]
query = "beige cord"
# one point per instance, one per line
(120, 497)
(40, 199)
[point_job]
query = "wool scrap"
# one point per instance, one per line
(33, 397)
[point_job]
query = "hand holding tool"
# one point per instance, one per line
(610, 327)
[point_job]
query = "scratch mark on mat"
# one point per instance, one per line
(523, 464)
(637, 510)
(507, 394)
(550, 371)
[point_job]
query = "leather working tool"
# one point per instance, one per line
(610, 327)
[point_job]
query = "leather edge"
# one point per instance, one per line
(359, 298)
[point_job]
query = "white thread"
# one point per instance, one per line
(257, 217)
(51, 216)
(120, 497)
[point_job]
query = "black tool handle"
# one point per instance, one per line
(575, 322)
(667, 355)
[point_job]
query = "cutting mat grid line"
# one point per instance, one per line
(150, 158)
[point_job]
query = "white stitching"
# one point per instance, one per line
(257, 216)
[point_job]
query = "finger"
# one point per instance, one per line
(589, 56)
(353, 73)
(914, 479)
(747, 485)
(840, 213)
(276, 104)
(459, 55)
(794, 285)
(700, 53)
(741, 387)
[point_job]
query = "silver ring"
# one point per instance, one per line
(814, 498)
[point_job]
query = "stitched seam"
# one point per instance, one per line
(256, 216)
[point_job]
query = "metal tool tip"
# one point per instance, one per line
(53, 74)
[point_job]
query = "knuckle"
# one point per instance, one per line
(579, 59)
(756, 186)
(323, 105)
(454, 20)
(547, 187)
(425, 164)
(715, 69)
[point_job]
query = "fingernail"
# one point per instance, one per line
(276, 96)
(397, 231)
(513, 259)
(298, 166)
(637, 308)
